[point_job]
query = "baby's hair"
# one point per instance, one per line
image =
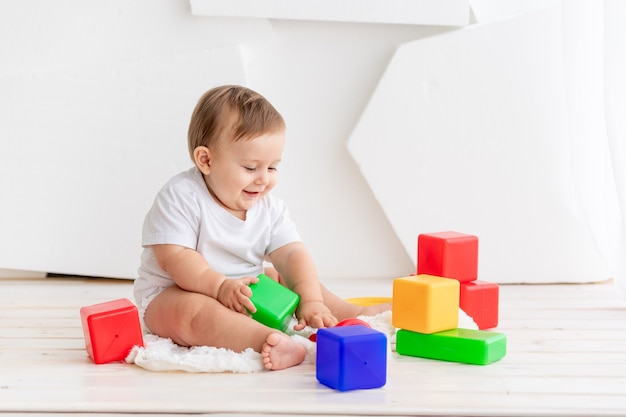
(231, 112)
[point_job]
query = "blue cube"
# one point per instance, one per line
(351, 357)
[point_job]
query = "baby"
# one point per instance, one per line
(211, 228)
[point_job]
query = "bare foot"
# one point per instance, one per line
(280, 351)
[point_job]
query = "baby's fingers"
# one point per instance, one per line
(317, 322)
(246, 291)
(247, 303)
(249, 280)
(300, 325)
(322, 320)
(330, 321)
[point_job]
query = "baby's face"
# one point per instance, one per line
(244, 171)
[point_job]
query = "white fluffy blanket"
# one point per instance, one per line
(159, 354)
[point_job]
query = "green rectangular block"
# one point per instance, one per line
(275, 303)
(476, 347)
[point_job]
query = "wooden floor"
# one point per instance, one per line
(566, 357)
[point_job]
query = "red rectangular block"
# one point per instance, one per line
(111, 329)
(479, 300)
(449, 255)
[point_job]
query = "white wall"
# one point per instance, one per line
(478, 137)
(95, 98)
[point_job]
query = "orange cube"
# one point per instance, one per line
(425, 303)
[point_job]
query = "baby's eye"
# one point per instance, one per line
(273, 169)
(251, 169)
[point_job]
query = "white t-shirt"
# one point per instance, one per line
(184, 213)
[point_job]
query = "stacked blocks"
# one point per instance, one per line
(426, 305)
(351, 357)
(111, 329)
(455, 255)
(274, 302)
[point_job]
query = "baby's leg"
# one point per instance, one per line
(342, 309)
(192, 319)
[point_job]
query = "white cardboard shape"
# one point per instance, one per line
(467, 131)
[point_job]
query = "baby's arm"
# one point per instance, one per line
(296, 267)
(191, 272)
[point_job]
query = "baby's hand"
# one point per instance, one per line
(235, 294)
(315, 314)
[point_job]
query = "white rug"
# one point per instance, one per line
(160, 354)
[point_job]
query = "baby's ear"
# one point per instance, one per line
(202, 158)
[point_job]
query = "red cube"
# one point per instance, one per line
(479, 300)
(448, 255)
(111, 329)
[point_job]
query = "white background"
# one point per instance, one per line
(95, 98)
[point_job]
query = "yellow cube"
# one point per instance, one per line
(425, 303)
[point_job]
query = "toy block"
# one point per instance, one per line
(449, 255)
(351, 357)
(344, 322)
(275, 303)
(425, 303)
(479, 300)
(476, 347)
(352, 322)
(111, 329)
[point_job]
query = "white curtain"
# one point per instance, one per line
(615, 116)
(595, 68)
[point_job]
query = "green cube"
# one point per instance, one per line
(476, 347)
(275, 303)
